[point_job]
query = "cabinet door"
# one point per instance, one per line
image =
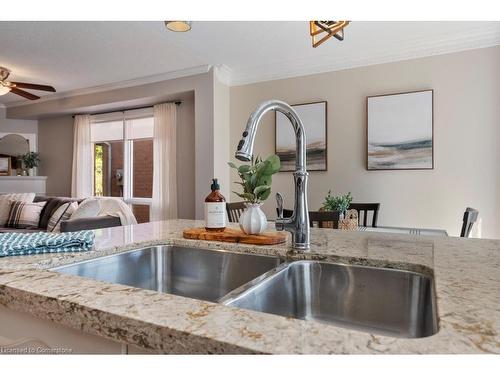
(24, 332)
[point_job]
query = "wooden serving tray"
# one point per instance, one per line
(235, 235)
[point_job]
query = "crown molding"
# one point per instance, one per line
(118, 85)
(413, 50)
(223, 74)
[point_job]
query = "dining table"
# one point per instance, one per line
(402, 230)
(399, 230)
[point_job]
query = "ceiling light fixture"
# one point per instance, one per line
(322, 30)
(178, 26)
(16, 87)
(4, 89)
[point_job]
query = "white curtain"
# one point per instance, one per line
(81, 178)
(164, 205)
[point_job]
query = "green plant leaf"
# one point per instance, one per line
(253, 181)
(274, 163)
(232, 165)
(260, 189)
(243, 168)
(264, 195)
(265, 180)
(264, 167)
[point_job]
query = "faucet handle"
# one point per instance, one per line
(279, 202)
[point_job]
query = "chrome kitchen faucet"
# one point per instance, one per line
(298, 223)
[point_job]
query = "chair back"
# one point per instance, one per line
(320, 217)
(470, 217)
(234, 211)
(363, 210)
(323, 217)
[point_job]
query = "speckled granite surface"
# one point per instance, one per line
(466, 271)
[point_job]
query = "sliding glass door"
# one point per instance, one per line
(123, 158)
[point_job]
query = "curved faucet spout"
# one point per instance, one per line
(298, 224)
(245, 147)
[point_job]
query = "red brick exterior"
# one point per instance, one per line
(143, 174)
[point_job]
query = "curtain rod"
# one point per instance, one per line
(178, 102)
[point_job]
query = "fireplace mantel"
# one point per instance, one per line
(23, 184)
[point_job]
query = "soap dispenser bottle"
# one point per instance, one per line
(215, 209)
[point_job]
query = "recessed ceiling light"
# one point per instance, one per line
(178, 26)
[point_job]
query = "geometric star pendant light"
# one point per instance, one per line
(322, 30)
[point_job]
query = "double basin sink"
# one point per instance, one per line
(377, 300)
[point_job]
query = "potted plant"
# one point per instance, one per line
(338, 203)
(30, 161)
(256, 184)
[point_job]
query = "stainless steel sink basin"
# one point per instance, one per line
(378, 300)
(191, 272)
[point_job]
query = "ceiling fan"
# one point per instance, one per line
(15, 87)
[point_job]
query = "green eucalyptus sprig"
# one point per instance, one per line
(256, 178)
(339, 203)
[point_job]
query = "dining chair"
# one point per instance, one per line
(470, 217)
(365, 208)
(319, 217)
(234, 211)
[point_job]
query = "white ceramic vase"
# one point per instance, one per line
(253, 220)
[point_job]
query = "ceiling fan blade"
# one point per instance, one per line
(23, 93)
(34, 86)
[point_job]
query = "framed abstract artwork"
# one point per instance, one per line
(400, 131)
(314, 118)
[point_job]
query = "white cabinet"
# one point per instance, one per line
(23, 331)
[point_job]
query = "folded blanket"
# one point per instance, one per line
(111, 206)
(41, 242)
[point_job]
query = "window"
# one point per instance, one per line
(123, 158)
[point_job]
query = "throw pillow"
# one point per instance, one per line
(7, 199)
(90, 207)
(4, 211)
(23, 215)
(63, 213)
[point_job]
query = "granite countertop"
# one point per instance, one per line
(466, 272)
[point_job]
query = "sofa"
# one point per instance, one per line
(53, 203)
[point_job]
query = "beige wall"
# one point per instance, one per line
(186, 160)
(55, 144)
(466, 130)
(222, 142)
(16, 126)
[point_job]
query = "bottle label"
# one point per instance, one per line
(215, 214)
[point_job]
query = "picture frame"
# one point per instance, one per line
(5, 165)
(400, 131)
(314, 116)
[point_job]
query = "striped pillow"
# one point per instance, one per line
(63, 213)
(23, 215)
(4, 211)
(6, 201)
